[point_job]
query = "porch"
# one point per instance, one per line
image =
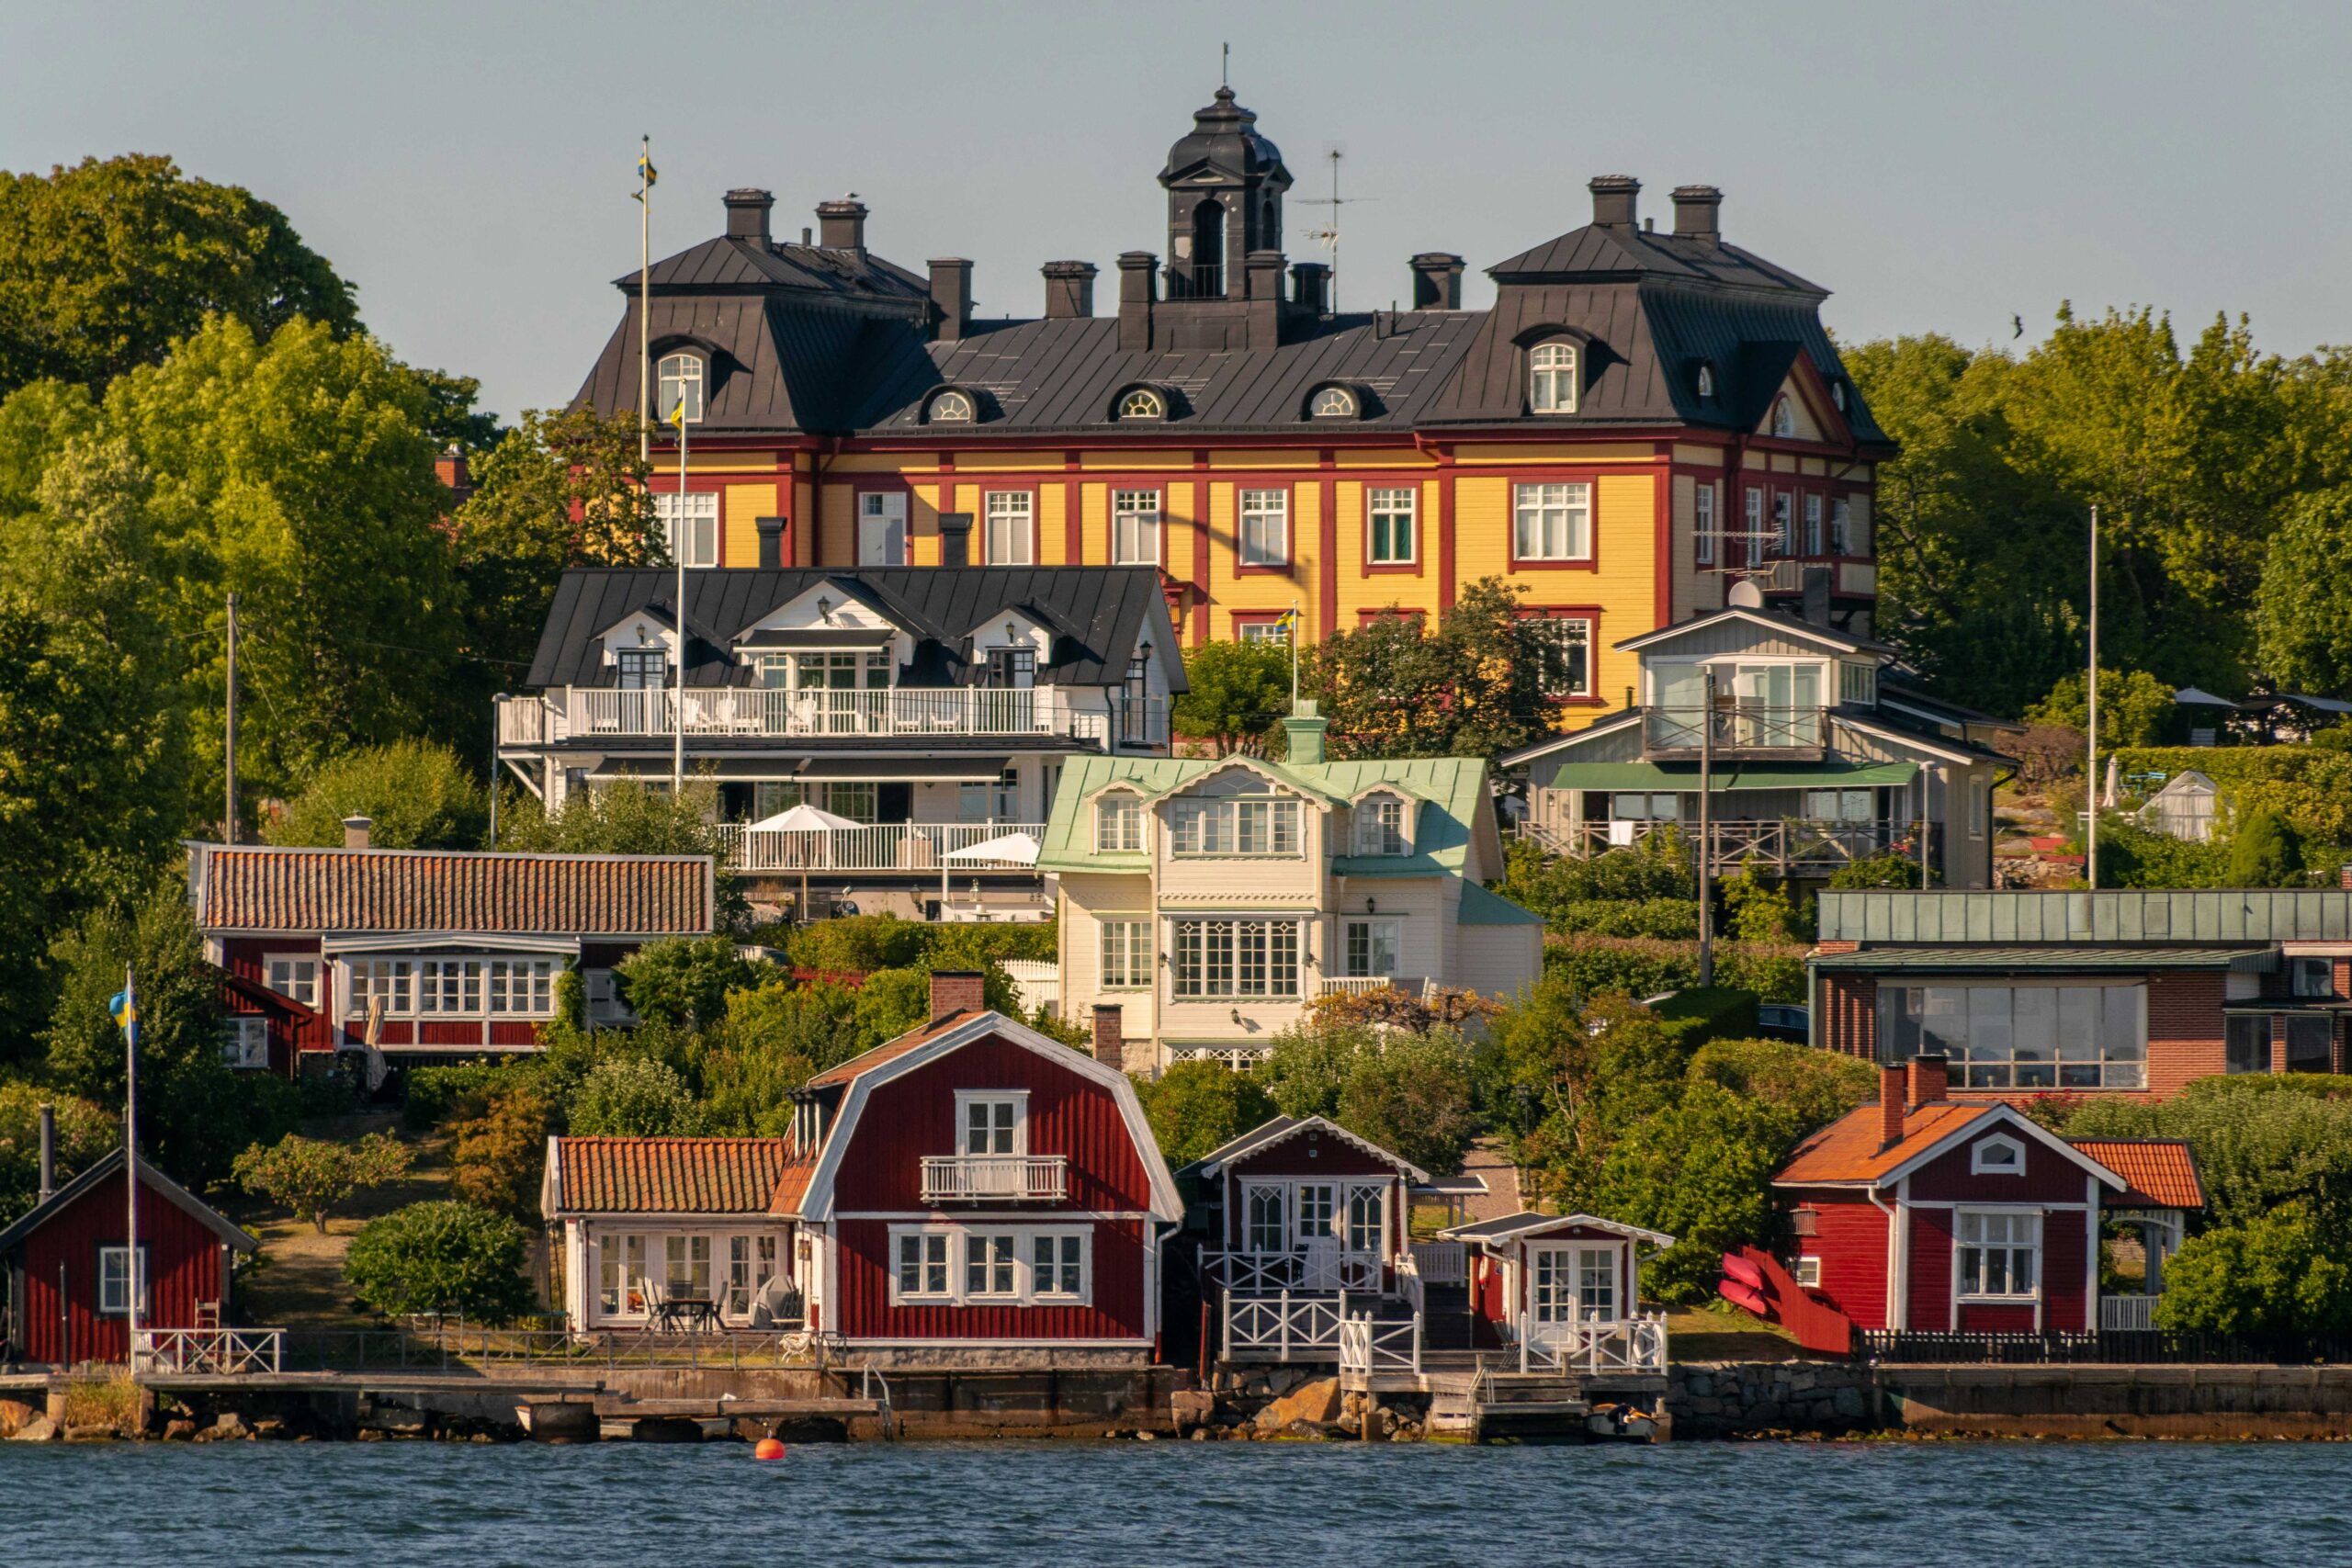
(1786, 847)
(574, 714)
(884, 848)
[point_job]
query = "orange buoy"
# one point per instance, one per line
(768, 1448)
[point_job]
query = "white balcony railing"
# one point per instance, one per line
(1354, 985)
(2127, 1313)
(1304, 1269)
(1618, 1345)
(213, 1353)
(1735, 727)
(1369, 1345)
(1784, 846)
(591, 713)
(1035, 1178)
(882, 847)
(1441, 1262)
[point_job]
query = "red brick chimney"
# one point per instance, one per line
(1110, 1038)
(957, 990)
(451, 469)
(1890, 1104)
(2344, 874)
(1930, 1080)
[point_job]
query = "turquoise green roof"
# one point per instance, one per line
(1480, 907)
(1729, 775)
(1450, 789)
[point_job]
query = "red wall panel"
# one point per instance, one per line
(183, 1268)
(2049, 1177)
(2065, 1239)
(1850, 1240)
(1929, 1274)
(1309, 1158)
(863, 1310)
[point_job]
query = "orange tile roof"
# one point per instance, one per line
(255, 887)
(890, 1050)
(2161, 1172)
(1847, 1149)
(681, 1176)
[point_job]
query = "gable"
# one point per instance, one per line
(2049, 1174)
(831, 608)
(644, 627)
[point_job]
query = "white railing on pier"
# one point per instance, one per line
(575, 713)
(876, 847)
(1270, 1273)
(1283, 1328)
(1369, 1345)
(949, 1178)
(1441, 1262)
(1618, 1345)
(2127, 1313)
(212, 1352)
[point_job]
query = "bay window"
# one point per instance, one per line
(2000, 1254)
(1236, 958)
(2020, 1036)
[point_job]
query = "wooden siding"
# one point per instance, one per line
(1309, 1157)
(863, 1310)
(1929, 1269)
(2049, 1177)
(1849, 1238)
(184, 1268)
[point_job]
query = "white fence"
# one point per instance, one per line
(1370, 1346)
(1039, 1176)
(219, 1352)
(1621, 1345)
(2127, 1313)
(1283, 1328)
(1441, 1262)
(574, 713)
(1270, 1273)
(879, 847)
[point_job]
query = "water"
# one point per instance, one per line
(1177, 1505)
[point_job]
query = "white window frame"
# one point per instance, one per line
(1271, 629)
(1223, 827)
(1333, 402)
(700, 510)
(1211, 959)
(1123, 949)
(1808, 1271)
(1262, 530)
(1857, 683)
(1042, 1291)
(1702, 522)
(1371, 933)
(480, 978)
(1000, 1266)
(112, 1269)
(1118, 823)
(696, 1265)
(244, 1041)
(1574, 632)
(680, 376)
(996, 1099)
(1400, 507)
(1980, 1164)
(1135, 527)
(1008, 529)
(1551, 372)
(1382, 826)
(933, 1248)
(928, 1261)
(302, 979)
(751, 1259)
(1551, 520)
(1813, 540)
(1986, 1230)
(617, 1252)
(951, 407)
(882, 527)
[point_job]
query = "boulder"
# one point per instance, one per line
(39, 1429)
(178, 1430)
(1316, 1402)
(229, 1425)
(1190, 1408)
(15, 1415)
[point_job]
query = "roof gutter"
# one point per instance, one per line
(1898, 1306)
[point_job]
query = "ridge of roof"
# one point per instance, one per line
(105, 1167)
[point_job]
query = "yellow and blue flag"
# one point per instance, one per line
(1287, 622)
(124, 1006)
(647, 177)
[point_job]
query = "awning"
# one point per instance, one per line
(943, 767)
(1886, 961)
(1662, 776)
(832, 637)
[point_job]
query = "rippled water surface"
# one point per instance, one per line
(1921, 1505)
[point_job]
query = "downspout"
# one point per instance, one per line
(1898, 1294)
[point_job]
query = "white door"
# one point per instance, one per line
(1551, 1292)
(1319, 1237)
(881, 529)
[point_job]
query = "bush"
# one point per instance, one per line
(1813, 1087)
(445, 1259)
(312, 1175)
(2264, 852)
(2131, 856)
(1701, 1171)
(1309, 1064)
(1410, 1094)
(2135, 707)
(2308, 785)
(1758, 910)
(1887, 870)
(2257, 1146)
(1672, 919)
(1595, 966)
(417, 795)
(1709, 1012)
(632, 1096)
(858, 945)
(500, 1156)
(685, 980)
(86, 1132)
(1657, 868)
(1198, 1106)
(433, 1095)
(2280, 1272)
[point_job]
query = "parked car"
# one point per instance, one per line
(1780, 1021)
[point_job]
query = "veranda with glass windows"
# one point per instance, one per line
(2013, 1035)
(714, 1274)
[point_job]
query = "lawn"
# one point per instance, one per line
(299, 1281)
(1721, 1332)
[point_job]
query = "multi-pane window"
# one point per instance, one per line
(2003, 1037)
(1596, 1284)
(445, 986)
(989, 1265)
(114, 1280)
(1626, 806)
(1058, 1265)
(1366, 1209)
(1236, 958)
(1333, 402)
(1394, 534)
(1847, 806)
(989, 800)
(1702, 523)
(1269, 1229)
(1012, 669)
(696, 543)
(1143, 403)
(1274, 629)
(992, 1124)
(1265, 527)
(2312, 976)
(1380, 828)
(620, 1267)
(641, 669)
(750, 1264)
(1009, 537)
(1244, 827)
(923, 1264)
(1842, 518)
(1813, 525)
(1135, 527)
(2000, 1253)
(1552, 379)
(387, 979)
(1783, 527)
(245, 1042)
(1552, 522)
(1127, 955)
(951, 408)
(297, 977)
(1572, 635)
(1784, 417)
(1753, 519)
(1856, 683)
(521, 985)
(1118, 823)
(681, 382)
(448, 984)
(685, 1273)
(1027, 1266)
(1372, 947)
(2245, 1042)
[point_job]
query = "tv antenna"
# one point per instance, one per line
(1327, 236)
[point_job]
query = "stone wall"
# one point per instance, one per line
(1731, 1399)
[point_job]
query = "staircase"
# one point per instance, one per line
(1481, 1403)
(1447, 1323)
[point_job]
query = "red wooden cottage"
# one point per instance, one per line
(1925, 1214)
(423, 954)
(1565, 1290)
(67, 1266)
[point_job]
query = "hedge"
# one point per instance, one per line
(1642, 966)
(2310, 785)
(1710, 1013)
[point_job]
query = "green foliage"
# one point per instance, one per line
(415, 793)
(311, 1176)
(859, 943)
(2131, 856)
(1560, 887)
(1478, 685)
(2309, 786)
(1758, 910)
(456, 1091)
(685, 980)
(1411, 1094)
(105, 265)
(2264, 852)
(85, 1132)
(1594, 965)
(2260, 1142)
(1238, 691)
(2280, 1272)
(2302, 618)
(632, 1096)
(1889, 869)
(1670, 920)
(499, 1158)
(1709, 1012)
(1308, 1064)
(628, 817)
(1197, 1106)
(443, 1259)
(1814, 1086)
(1701, 1171)
(2135, 707)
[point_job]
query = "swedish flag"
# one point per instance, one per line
(125, 1009)
(1287, 623)
(647, 177)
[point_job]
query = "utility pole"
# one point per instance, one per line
(1706, 823)
(131, 1270)
(645, 301)
(680, 532)
(2090, 773)
(229, 823)
(497, 763)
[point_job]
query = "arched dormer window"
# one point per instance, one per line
(1551, 378)
(1118, 823)
(1382, 826)
(1785, 416)
(1332, 402)
(1142, 403)
(951, 407)
(1706, 381)
(680, 381)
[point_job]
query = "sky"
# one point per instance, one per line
(1939, 168)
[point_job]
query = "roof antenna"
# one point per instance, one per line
(1327, 236)
(1225, 65)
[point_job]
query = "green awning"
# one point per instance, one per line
(1664, 776)
(1890, 961)
(1480, 907)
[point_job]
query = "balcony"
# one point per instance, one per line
(887, 847)
(953, 1178)
(590, 714)
(1735, 731)
(1779, 847)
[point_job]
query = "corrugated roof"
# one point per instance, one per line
(1847, 1149)
(1898, 960)
(258, 888)
(681, 1176)
(2109, 914)
(2161, 1172)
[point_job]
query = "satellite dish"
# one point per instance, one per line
(1745, 595)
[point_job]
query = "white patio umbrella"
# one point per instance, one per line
(1013, 849)
(801, 818)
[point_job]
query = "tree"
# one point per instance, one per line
(2135, 707)
(1481, 683)
(2280, 1272)
(312, 1176)
(85, 1132)
(1701, 1170)
(417, 795)
(1758, 910)
(625, 818)
(1813, 1087)
(2264, 852)
(1199, 1105)
(1411, 1095)
(1236, 691)
(442, 1258)
(685, 980)
(2260, 1142)
(632, 1096)
(104, 266)
(1308, 1064)
(2303, 622)
(499, 1156)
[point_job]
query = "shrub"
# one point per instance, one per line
(1656, 867)
(445, 1259)
(1673, 919)
(2280, 1272)
(1813, 1087)
(1700, 1170)
(312, 1175)
(2309, 786)
(1758, 910)
(2257, 1146)
(1595, 966)
(1410, 1094)
(1309, 1064)
(1197, 1106)
(685, 980)
(500, 1156)
(1709, 1012)
(433, 1095)
(84, 1133)
(1391, 1007)
(2131, 856)
(416, 794)
(1890, 869)
(2264, 852)
(631, 1097)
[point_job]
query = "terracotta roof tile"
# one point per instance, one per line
(2161, 1171)
(890, 1050)
(681, 1176)
(1847, 1149)
(331, 890)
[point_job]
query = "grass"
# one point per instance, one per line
(1721, 1332)
(111, 1402)
(300, 1283)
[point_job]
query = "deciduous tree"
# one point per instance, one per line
(417, 795)
(311, 1177)
(441, 1258)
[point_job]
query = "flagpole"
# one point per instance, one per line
(2090, 775)
(1294, 656)
(645, 301)
(679, 531)
(131, 1156)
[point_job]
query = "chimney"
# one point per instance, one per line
(841, 225)
(1310, 287)
(1695, 209)
(954, 539)
(1930, 1080)
(951, 297)
(1437, 281)
(355, 832)
(449, 468)
(747, 215)
(2344, 874)
(770, 542)
(1813, 595)
(1890, 1104)
(1303, 732)
(1265, 318)
(1069, 289)
(1110, 1040)
(1612, 199)
(957, 990)
(48, 1148)
(1139, 286)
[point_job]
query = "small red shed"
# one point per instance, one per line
(68, 1299)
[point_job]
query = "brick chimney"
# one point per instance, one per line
(355, 832)
(951, 297)
(451, 469)
(1310, 287)
(1930, 1080)
(1890, 1104)
(2344, 874)
(1069, 289)
(747, 215)
(841, 225)
(957, 990)
(1139, 290)
(771, 531)
(1696, 209)
(1110, 1038)
(1437, 281)
(49, 1151)
(1612, 200)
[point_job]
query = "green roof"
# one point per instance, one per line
(2113, 915)
(1480, 907)
(1451, 788)
(1984, 960)
(1729, 775)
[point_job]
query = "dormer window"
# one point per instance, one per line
(951, 408)
(681, 382)
(1706, 381)
(1838, 395)
(1142, 403)
(1785, 416)
(1333, 402)
(1551, 378)
(1380, 826)
(1118, 824)
(1997, 1156)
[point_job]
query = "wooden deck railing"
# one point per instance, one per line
(1734, 728)
(576, 713)
(212, 1352)
(1369, 1345)
(877, 847)
(1030, 1178)
(1616, 1345)
(1270, 1273)
(2127, 1313)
